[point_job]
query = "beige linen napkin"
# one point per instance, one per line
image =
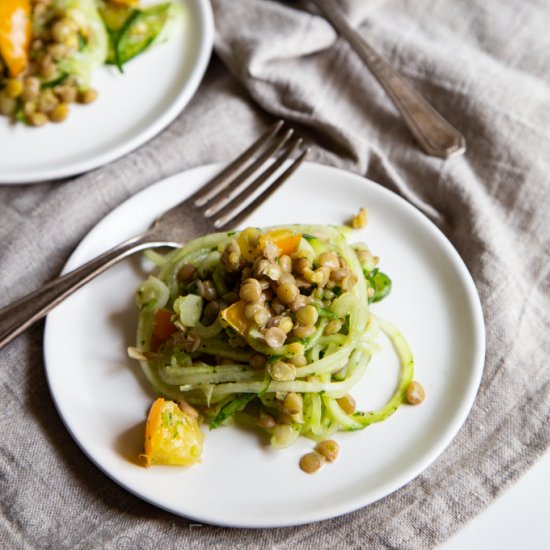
(484, 66)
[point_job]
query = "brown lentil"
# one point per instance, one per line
(258, 314)
(46, 66)
(303, 331)
(287, 279)
(301, 264)
(347, 403)
(66, 93)
(277, 306)
(29, 108)
(275, 337)
(298, 360)
(286, 324)
(298, 303)
(260, 267)
(329, 449)
(257, 361)
(360, 220)
(282, 433)
(231, 297)
(296, 348)
(269, 249)
(248, 241)
(207, 290)
(293, 403)
(14, 88)
(349, 281)
(307, 315)
(282, 371)
(187, 272)
(329, 259)
(364, 255)
(273, 271)
(415, 393)
(32, 88)
(250, 291)
(338, 274)
(87, 96)
(265, 420)
(286, 263)
(312, 462)
(211, 310)
(287, 292)
(188, 409)
(62, 31)
(58, 51)
(231, 258)
(38, 119)
(60, 113)
(47, 102)
(8, 105)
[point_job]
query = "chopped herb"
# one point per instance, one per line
(324, 312)
(380, 283)
(236, 405)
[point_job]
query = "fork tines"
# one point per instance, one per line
(251, 178)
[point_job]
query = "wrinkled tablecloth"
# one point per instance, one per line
(485, 67)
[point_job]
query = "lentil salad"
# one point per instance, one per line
(49, 50)
(270, 328)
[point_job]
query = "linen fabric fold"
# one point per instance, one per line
(281, 59)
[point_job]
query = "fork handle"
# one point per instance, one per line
(435, 135)
(20, 315)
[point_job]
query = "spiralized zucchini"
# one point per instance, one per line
(269, 327)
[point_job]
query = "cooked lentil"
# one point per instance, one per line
(312, 462)
(329, 449)
(415, 393)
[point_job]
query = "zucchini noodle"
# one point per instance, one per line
(269, 327)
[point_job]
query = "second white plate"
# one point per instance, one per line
(103, 397)
(131, 108)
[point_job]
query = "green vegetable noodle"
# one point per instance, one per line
(270, 328)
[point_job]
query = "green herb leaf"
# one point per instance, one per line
(236, 405)
(380, 283)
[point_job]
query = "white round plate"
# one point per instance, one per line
(131, 108)
(103, 398)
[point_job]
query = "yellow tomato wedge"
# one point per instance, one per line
(172, 436)
(286, 240)
(15, 34)
(125, 2)
(251, 243)
(234, 316)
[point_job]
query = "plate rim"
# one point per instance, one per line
(449, 434)
(80, 167)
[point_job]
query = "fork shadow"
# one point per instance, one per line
(97, 487)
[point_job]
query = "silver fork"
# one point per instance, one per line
(221, 204)
(434, 134)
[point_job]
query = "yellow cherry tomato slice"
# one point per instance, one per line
(172, 436)
(286, 240)
(15, 34)
(125, 2)
(235, 317)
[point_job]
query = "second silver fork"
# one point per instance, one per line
(220, 205)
